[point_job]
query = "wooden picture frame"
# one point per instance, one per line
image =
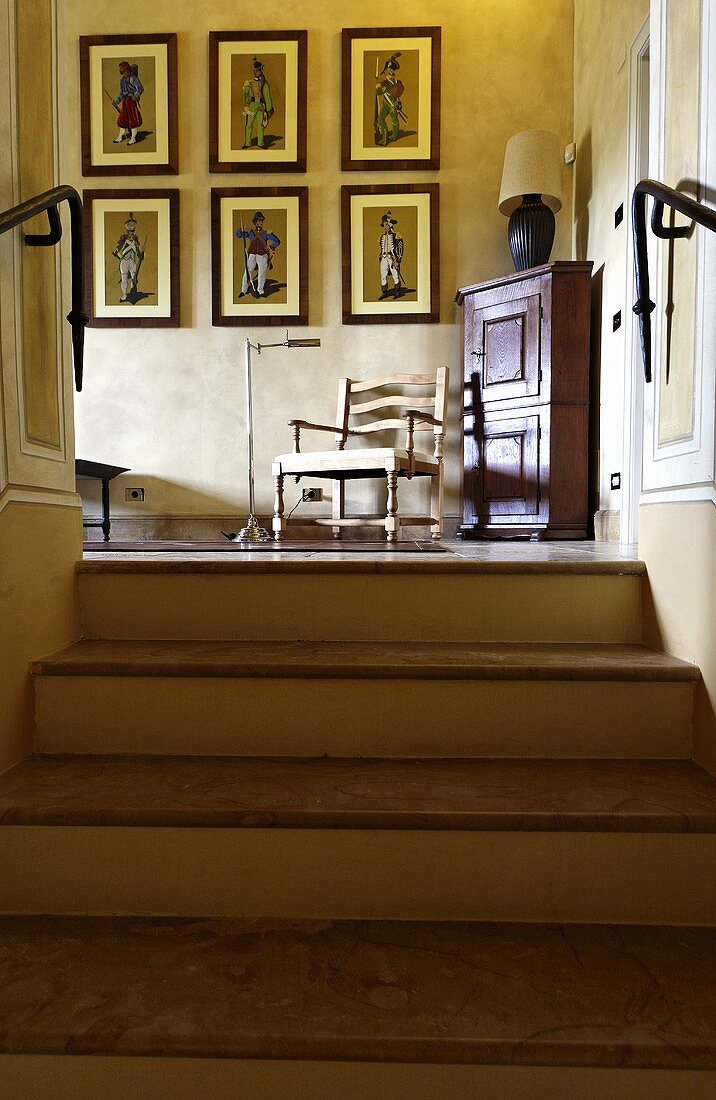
(138, 262)
(267, 285)
(240, 123)
(385, 282)
(125, 134)
(390, 99)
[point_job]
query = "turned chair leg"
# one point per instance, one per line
(279, 523)
(436, 504)
(391, 521)
(338, 505)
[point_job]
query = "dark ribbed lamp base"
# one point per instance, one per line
(531, 233)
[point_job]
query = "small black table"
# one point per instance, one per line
(84, 471)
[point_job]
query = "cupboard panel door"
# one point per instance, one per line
(507, 482)
(504, 350)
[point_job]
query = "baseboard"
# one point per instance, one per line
(607, 525)
(209, 528)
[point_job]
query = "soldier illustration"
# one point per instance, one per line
(391, 251)
(258, 105)
(259, 247)
(130, 254)
(129, 117)
(388, 104)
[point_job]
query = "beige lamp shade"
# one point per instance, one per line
(533, 166)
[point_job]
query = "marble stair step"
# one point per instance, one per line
(506, 597)
(367, 660)
(629, 997)
(367, 699)
(496, 840)
(619, 796)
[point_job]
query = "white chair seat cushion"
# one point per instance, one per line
(368, 458)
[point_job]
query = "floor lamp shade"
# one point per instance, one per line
(531, 194)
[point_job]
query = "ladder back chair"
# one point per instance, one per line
(410, 415)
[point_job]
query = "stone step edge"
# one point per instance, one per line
(24, 799)
(366, 660)
(447, 566)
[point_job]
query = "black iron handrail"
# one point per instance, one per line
(663, 196)
(49, 201)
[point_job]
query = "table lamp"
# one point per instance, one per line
(531, 194)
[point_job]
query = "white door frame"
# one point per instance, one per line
(633, 407)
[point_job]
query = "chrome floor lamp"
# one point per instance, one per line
(253, 532)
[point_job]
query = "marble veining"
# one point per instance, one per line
(580, 995)
(371, 660)
(264, 792)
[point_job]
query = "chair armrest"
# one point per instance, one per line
(420, 414)
(321, 427)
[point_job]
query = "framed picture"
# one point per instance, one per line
(390, 244)
(128, 88)
(257, 101)
(259, 255)
(391, 99)
(132, 258)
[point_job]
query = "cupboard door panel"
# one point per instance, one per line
(505, 350)
(507, 483)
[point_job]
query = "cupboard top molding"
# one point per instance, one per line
(556, 266)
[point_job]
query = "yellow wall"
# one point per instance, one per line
(39, 546)
(603, 33)
(169, 403)
(678, 543)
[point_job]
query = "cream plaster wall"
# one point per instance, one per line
(603, 33)
(169, 403)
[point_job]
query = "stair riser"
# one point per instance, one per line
(310, 717)
(367, 874)
(383, 607)
(47, 1077)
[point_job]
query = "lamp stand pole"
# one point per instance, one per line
(253, 531)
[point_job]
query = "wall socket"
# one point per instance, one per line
(312, 496)
(134, 495)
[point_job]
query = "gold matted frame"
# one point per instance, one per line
(145, 270)
(248, 291)
(409, 272)
(390, 99)
(151, 146)
(239, 123)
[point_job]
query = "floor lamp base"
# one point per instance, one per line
(253, 532)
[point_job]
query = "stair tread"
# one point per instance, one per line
(366, 660)
(263, 792)
(580, 995)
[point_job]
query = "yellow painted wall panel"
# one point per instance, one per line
(36, 160)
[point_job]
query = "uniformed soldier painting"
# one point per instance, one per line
(388, 102)
(258, 105)
(129, 116)
(130, 254)
(259, 246)
(390, 257)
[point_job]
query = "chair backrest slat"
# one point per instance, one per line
(438, 402)
(394, 401)
(393, 380)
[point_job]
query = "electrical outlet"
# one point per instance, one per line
(616, 481)
(617, 320)
(312, 496)
(134, 496)
(619, 215)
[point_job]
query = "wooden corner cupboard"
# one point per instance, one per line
(526, 403)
